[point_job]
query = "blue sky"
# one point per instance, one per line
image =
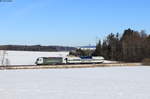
(69, 22)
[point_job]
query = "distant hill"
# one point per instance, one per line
(36, 48)
(87, 47)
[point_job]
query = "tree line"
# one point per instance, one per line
(35, 48)
(131, 46)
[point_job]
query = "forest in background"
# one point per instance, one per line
(131, 46)
(35, 48)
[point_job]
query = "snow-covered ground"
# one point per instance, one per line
(85, 83)
(108, 61)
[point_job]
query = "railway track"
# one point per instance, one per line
(66, 66)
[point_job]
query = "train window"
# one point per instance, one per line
(37, 59)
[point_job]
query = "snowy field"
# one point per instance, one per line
(85, 83)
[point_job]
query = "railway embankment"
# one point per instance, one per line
(68, 66)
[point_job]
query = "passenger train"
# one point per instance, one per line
(69, 60)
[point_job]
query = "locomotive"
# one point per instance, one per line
(69, 60)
